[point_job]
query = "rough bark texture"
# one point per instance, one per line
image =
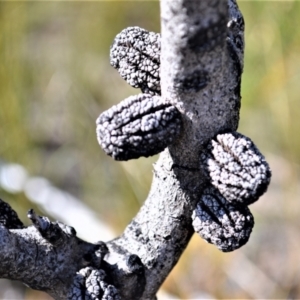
(197, 76)
(45, 256)
(200, 72)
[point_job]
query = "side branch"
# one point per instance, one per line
(46, 255)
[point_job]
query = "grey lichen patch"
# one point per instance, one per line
(135, 53)
(195, 81)
(236, 168)
(8, 217)
(221, 223)
(91, 284)
(141, 125)
(205, 39)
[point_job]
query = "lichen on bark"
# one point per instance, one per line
(201, 63)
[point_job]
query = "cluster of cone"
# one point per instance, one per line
(143, 125)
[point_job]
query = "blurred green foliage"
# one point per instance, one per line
(55, 79)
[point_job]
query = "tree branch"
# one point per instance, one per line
(198, 76)
(202, 182)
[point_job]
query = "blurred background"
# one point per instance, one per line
(55, 79)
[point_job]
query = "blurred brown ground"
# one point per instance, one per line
(55, 79)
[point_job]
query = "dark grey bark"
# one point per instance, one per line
(200, 72)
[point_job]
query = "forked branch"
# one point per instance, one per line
(203, 181)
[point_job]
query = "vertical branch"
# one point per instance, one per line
(196, 77)
(196, 73)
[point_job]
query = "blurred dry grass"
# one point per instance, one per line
(55, 79)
